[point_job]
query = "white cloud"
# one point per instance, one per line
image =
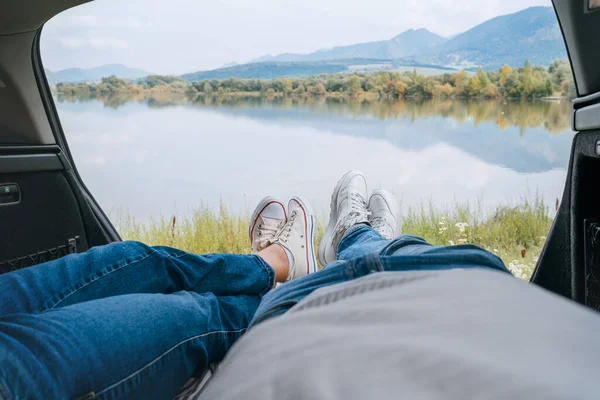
(93, 42)
(82, 20)
(133, 23)
(107, 43)
(71, 42)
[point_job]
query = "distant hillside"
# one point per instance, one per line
(51, 77)
(531, 34)
(269, 70)
(73, 75)
(411, 42)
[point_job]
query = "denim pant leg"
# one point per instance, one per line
(129, 268)
(138, 346)
(364, 251)
(359, 241)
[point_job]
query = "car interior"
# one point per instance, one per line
(47, 212)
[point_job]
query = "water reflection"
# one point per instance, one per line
(554, 116)
(239, 149)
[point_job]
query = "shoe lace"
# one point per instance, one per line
(358, 206)
(359, 211)
(284, 233)
(379, 224)
(266, 234)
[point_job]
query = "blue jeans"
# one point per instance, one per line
(363, 251)
(123, 320)
(128, 320)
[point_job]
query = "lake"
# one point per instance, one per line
(163, 154)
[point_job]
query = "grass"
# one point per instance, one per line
(516, 234)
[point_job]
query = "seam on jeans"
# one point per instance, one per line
(183, 253)
(99, 277)
(134, 374)
(270, 275)
(350, 269)
(4, 395)
(378, 263)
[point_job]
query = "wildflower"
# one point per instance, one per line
(496, 251)
(462, 226)
(451, 243)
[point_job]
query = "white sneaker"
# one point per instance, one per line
(348, 208)
(296, 238)
(384, 214)
(268, 218)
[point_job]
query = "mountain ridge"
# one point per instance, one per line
(76, 75)
(409, 42)
(506, 39)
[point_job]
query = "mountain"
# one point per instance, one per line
(269, 70)
(411, 42)
(50, 76)
(94, 74)
(532, 34)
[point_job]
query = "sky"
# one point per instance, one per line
(179, 36)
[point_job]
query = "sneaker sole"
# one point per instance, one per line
(264, 203)
(326, 250)
(309, 233)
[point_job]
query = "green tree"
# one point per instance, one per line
(319, 90)
(527, 84)
(354, 84)
(483, 78)
(504, 74)
(512, 85)
(460, 81)
(288, 86)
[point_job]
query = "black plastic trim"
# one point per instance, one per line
(587, 118)
(562, 32)
(586, 100)
(30, 163)
(49, 148)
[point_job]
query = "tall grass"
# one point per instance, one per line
(203, 231)
(516, 234)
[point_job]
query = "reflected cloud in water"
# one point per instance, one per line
(165, 153)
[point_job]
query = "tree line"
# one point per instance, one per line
(525, 82)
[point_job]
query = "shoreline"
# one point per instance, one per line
(335, 95)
